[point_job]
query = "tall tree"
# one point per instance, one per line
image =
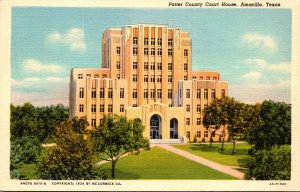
(273, 127)
(72, 158)
(116, 137)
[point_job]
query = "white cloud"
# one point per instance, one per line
(36, 82)
(253, 75)
(262, 64)
(35, 65)
(259, 41)
(258, 92)
(73, 38)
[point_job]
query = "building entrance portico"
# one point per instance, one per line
(155, 127)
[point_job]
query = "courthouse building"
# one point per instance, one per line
(147, 74)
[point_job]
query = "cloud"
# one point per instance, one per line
(73, 38)
(35, 65)
(39, 83)
(253, 75)
(259, 41)
(258, 92)
(262, 64)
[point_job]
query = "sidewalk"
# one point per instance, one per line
(213, 165)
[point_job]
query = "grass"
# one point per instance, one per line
(240, 158)
(27, 171)
(161, 164)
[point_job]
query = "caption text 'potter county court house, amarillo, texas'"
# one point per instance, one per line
(147, 74)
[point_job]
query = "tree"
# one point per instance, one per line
(273, 127)
(222, 112)
(274, 164)
(116, 137)
(72, 158)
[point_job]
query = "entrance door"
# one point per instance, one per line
(173, 129)
(155, 127)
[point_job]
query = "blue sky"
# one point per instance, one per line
(251, 48)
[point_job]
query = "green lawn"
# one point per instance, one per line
(161, 164)
(226, 158)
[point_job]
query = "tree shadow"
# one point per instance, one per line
(121, 174)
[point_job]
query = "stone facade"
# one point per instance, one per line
(147, 74)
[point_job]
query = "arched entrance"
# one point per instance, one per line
(155, 127)
(174, 128)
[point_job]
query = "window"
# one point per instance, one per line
(146, 41)
(145, 93)
(101, 121)
(215, 78)
(135, 51)
(213, 134)
(88, 75)
(188, 93)
(170, 42)
(152, 51)
(118, 50)
(170, 78)
(118, 76)
(110, 108)
(188, 108)
(134, 105)
(205, 93)
(185, 77)
(145, 66)
(170, 66)
(102, 108)
(170, 94)
(80, 76)
(198, 121)
(205, 133)
(93, 93)
(110, 93)
(93, 122)
(159, 66)
(159, 41)
(121, 92)
(134, 77)
(159, 51)
(121, 108)
(205, 106)
(152, 41)
(188, 121)
(134, 93)
(198, 134)
(158, 93)
(158, 78)
(207, 78)
(96, 76)
(146, 51)
(152, 66)
(188, 135)
(145, 78)
(194, 77)
(185, 66)
(135, 40)
(118, 64)
(170, 52)
(185, 52)
(134, 65)
(198, 93)
(201, 78)
(104, 76)
(81, 108)
(198, 108)
(213, 93)
(101, 92)
(223, 93)
(93, 108)
(81, 92)
(152, 79)
(152, 93)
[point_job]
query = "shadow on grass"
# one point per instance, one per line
(121, 175)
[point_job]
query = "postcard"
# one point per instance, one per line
(169, 95)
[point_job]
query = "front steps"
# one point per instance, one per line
(165, 141)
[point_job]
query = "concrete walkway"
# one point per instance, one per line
(222, 168)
